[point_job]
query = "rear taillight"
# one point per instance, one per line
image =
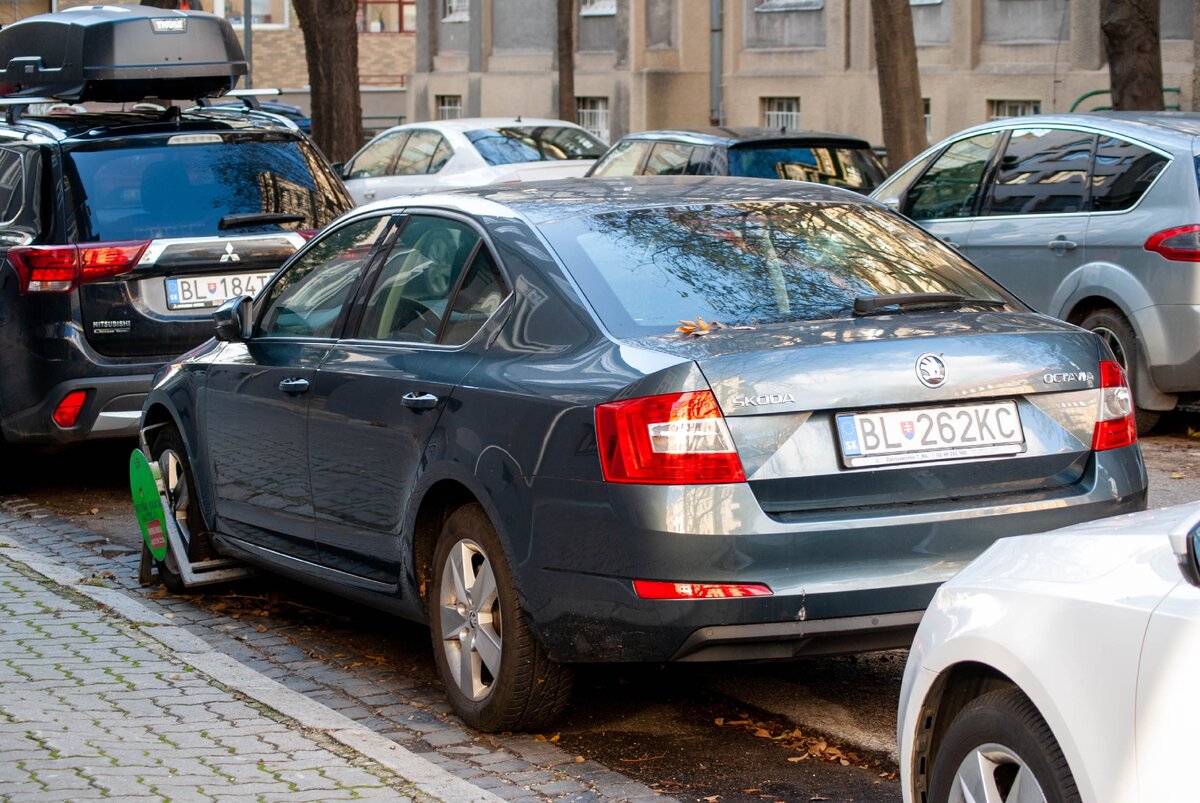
(62, 268)
(676, 439)
(1115, 425)
(307, 234)
(1181, 244)
(66, 414)
(657, 589)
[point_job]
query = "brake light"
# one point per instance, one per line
(674, 439)
(307, 234)
(1180, 244)
(62, 268)
(656, 589)
(66, 414)
(1115, 426)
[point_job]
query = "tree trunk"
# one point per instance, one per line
(331, 48)
(1131, 39)
(1196, 60)
(899, 81)
(566, 60)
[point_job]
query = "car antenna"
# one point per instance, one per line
(518, 117)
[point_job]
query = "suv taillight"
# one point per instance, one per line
(1115, 426)
(1180, 244)
(674, 439)
(62, 268)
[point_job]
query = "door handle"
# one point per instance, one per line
(424, 401)
(369, 194)
(294, 386)
(1061, 243)
(951, 243)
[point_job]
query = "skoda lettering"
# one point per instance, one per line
(763, 399)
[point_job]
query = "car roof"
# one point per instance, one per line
(737, 135)
(473, 123)
(1159, 127)
(88, 126)
(543, 201)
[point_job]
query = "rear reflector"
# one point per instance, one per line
(66, 414)
(675, 439)
(62, 268)
(1180, 244)
(1115, 424)
(656, 589)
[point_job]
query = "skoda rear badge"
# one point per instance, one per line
(931, 370)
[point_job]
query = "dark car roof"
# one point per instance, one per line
(543, 201)
(105, 125)
(730, 136)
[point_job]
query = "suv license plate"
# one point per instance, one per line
(930, 433)
(193, 292)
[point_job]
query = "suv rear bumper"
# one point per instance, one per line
(113, 409)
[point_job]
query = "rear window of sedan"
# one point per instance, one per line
(748, 264)
(853, 168)
(514, 144)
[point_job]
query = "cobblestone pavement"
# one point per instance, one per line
(409, 712)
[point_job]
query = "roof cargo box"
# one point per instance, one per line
(119, 53)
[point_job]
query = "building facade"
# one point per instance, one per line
(644, 64)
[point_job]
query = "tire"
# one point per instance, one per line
(497, 676)
(995, 749)
(168, 451)
(1114, 330)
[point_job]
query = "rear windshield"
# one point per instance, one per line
(646, 270)
(853, 168)
(182, 186)
(513, 144)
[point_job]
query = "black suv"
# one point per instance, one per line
(121, 230)
(825, 158)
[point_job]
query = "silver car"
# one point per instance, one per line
(1092, 218)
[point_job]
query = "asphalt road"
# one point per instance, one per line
(690, 731)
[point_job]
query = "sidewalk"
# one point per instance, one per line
(102, 697)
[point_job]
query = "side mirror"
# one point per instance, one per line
(339, 168)
(234, 319)
(1186, 546)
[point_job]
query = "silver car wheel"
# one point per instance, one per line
(1113, 341)
(470, 619)
(991, 773)
(178, 498)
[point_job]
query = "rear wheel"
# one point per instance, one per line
(497, 676)
(1000, 750)
(169, 452)
(1114, 330)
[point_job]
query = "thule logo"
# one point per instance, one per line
(230, 255)
(169, 24)
(1069, 376)
(763, 399)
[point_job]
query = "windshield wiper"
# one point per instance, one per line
(869, 305)
(257, 218)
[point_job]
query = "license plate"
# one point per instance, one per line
(930, 433)
(192, 292)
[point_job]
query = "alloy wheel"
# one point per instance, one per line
(178, 498)
(992, 773)
(1114, 342)
(470, 619)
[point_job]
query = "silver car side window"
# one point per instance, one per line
(1043, 171)
(949, 187)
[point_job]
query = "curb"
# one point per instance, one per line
(308, 714)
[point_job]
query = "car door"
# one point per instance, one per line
(945, 198)
(256, 405)
(415, 169)
(1031, 233)
(379, 394)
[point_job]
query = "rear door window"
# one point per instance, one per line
(668, 159)
(1121, 173)
(853, 168)
(1043, 171)
(950, 187)
(376, 159)
(702, 162)
(12, 185)
(623, 160)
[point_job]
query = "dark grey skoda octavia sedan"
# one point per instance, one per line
(673, 419)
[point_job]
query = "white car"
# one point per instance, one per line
(447, 154)
(1061, 667)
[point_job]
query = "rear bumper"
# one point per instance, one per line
(844, 583)
(113, 409)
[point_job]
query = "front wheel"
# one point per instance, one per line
(497, 676)
(1118, 334)
(1000, 750)
(168, 450)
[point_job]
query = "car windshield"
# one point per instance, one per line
(646, 270)
(853, 168)
(513, 144)
(183, 185)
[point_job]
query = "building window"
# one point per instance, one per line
(927, 110)
(263, 13)
(387, 16)
(999, 109)
(781, 113)
(449, 107)
(592, 114)
(456, 10)
(597, 8)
